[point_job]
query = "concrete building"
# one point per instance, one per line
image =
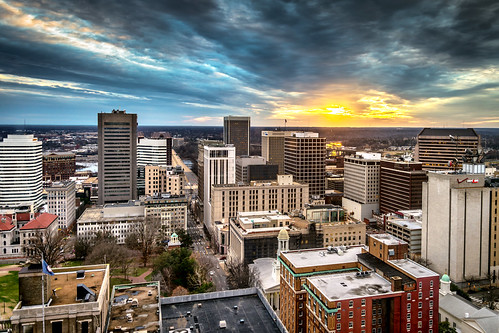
(61, 201)
(284, 195)
(400, 186)
(361, 186)
(239, 310)
(409, 230)
(76, 299)
(137, 305)
(493, 184)
(163, 179)
(219, 167)
(355, 290)
(242, 166)
(117, 156)
(254, 235)
(58, 166)
(456, 221)
(90, 187)
(304, 158)
(156, 151)
(171, 211)
(273, 148)
(21, 172)
(436, 147)
(237, 133)
(45, 224)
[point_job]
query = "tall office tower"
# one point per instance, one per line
(273, 147)
(58, 166)
(237, 133)
(219, 164)
(21, 172)
(61, 201)
(154, 152)
(456, 212)
(494, 230)
(242, 166)
(361, 186)
(117, 157)
(436, 147)
(400, 186)
(201, 145)
(305, 159)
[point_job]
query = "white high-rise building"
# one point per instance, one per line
(219, 163)
(154, 152)
(61, 197)
(361, 186)
(21, 172)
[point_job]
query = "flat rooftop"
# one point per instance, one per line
(321, 257)
(382, 267)
(203, 312)
(348, 285)
(413, 268)
(387, 239)
(408, 224)
(144, 313)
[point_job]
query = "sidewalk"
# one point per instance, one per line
(137, 279)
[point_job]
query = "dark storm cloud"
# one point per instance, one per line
(179, 49)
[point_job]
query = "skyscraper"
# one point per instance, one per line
(117, 157)
(273, 147)
(154, 152)
(237, 133)
(305, 159)
(21, 172)
(436, 147)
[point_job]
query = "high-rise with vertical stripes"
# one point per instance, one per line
(117, 157)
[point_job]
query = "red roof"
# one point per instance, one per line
(41, 222)
(6, 223)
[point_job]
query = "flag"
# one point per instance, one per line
(46, 268)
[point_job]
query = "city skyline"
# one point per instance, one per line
(414, 64)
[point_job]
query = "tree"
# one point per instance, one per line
(444, 327)
(82, 248)
(144, 238)
(184, 238)
(176, 266)
(117, 256)
(239, 275)
(49, 243)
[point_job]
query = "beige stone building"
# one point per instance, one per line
(283, 195)
(76, 300)
(163, 179)
(494, 236)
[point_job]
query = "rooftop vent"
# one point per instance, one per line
(241, 321)
(222, 324)
(80, 274)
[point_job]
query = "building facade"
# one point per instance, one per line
(156, 151)
(283, 195)
(61, 201)
(117, 136)
(456, 213)
(45, 224)
(162, 179)
(273, 148)
(242, 166)
(304, 158)
(400, 186)
(361, 185)
(436, 147)
(237, 133)
(58, 166)
(21, 172)
(172, 213)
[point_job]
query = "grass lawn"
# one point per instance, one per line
(72, 263)
(115, 281)
(9, 290)
(138, 271)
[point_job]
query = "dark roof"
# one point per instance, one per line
(448, 131)
(388, 271)
(214, 309)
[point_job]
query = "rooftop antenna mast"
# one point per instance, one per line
(285, 122)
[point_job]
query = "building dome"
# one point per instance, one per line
(174, 235)
(445, 278)
(283, 235)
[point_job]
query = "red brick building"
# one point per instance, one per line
(58, 166)
(358, 290)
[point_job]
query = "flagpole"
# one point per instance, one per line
(43, 299)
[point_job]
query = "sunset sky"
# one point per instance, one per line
(315, 63)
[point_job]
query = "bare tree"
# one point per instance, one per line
(240, 275)
(117, 256)
(49, 243)
(145, 238)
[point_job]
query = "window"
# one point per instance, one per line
(420, 284)
(338, 316)
(431, 283)
(350, 324)
(420, 295)
(408, 296)
(363, 312)
(350, 314)
(420, 305)
(338, 305)
(431, 323)
(338, 327)
(431, 304)
(431, 293)
(363, 323)
(57, 326)
(431, 313)
(28, 328)
(409, 307)
(363, 302)
(420, 314)
(350, 304)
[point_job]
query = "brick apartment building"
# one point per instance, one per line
(358, 289)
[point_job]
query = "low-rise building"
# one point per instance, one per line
(61, 201)
(76, 299)
(357, 289)
(135, 308)
(408, 230)
(171, 211)
(10, 247)
(58, 166)
(45, 224)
